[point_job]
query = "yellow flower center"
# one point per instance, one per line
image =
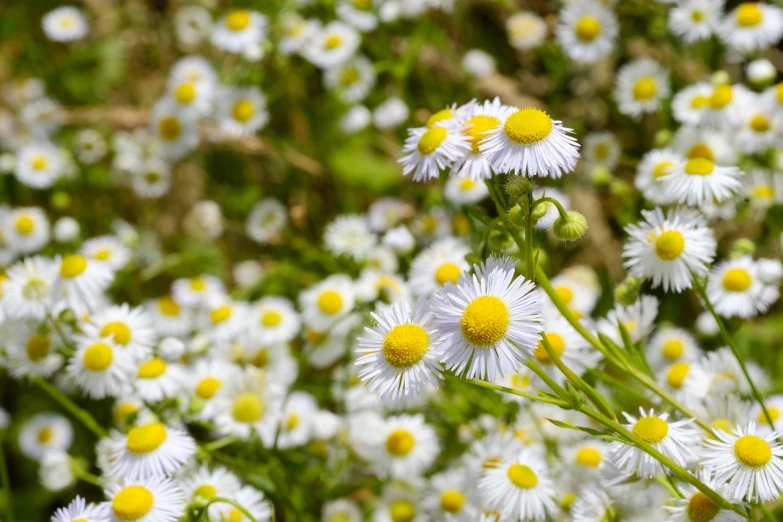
(677, 374)
(261, 358)
(102, 255)
(749, 14)
(651, 429)
(206, 491)
(292, 422)
(220, 314)
(185, 93)
(699, 101)
(589, 457)
(405, 345)
(44, 435)
(588, 28)
(272, 318)
(38, 347)
(168, 307)
(763, 192)
(779, 93)
(247, 408)
(447, 273)
(123, 411)
(330, 302)
(118, 330)
(522, 476)
(402, 511)
(207, 388)
(760, 123)
(774, 413)
(431, 140)
(146, 438)
(558, 346)
(737, 280)
(243, 111)
(485, 321)
(39, 163)
(400, 443)
(349, 76)
(699, 167)
(565, 294)
(645, 88)
(197, 284)
(721, 96)
(477, 128)
(169, 128)
(232, 516)
(723, 424)
(238, 19)
(333, 41)
(443, 115)
(752, 451)
(132, 503)
(528, 126)
(669, 245)
(466, 184)
(672, 349)
(24, 225)
(98, 357)
(451, 501)
(701, 508)
(697, 16)
(72, 266)
(662, 169)
(152, 368)
(701, 150)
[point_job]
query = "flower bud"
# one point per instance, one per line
(662, 138)
(518, 186)
(720, 78)
(539, 211)
(742, 247)
(570, 229)
(516, 216)
(600, 176)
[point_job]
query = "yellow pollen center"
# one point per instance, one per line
(701, 150)
(146, 438)
(699, 167)
(697, 16)
(292, 422)
(72, 266)
(589, 457)
(752, 451)
(197, 284)
(152, 368)
(272, 318)
(485, 321)
(645, 88)
(467, 184)
(677, 375)
(528, 126)
(439, 116)
(207, 388)
(760, 123)
(672, 349)
(333, 41)
(24, 225)
(779, 93)
(247, 408)
(330, 302)
(558, 346)
(651, 429)
(206, 491)
(701, 508)
(243, 111)
(402, 511)
(168, 307)
(185, 93)
(763, 192)
(169, 128)
(118, 330)
(699, 101)
(400, 443)
(102, 255)
(723, 424)
(39, 163)
(721, 96)
(261, 358)
(238, 19)
(669, 245)
(431, 140)
(565, 294)
(38, 347)
(451, 501)
(737, 280)
(522, 476)
(749, 14)
(220, 314)
(588, 28)
(477, 128)
(349, 76)
(44, 435)
(774, 413)
(132, 503)
(405, 345)
(662, 169)
(447, 273)
(98, 357)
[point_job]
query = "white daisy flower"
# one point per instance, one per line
(252, 500)
(39, 165)
(297, 31)
(242, 111)
(402, 352)
(193, 24)
(101, 368)
(207, 378)
(465, 191)
(266, 220)
(752, 26)
(698, 506)
(669, 249)
(43, 433)
(758, 131)
(526, 30)
(129, 328)
(249, 406)
(697, 142)
(399, 501)
(696, 20)
(107, 249)
(324, 347)
(584, 460)
(493, 320)
(296, 422)
(728, 375)
(198, 291)
(727, 106)
(654, 166)
(274, 320)
(637, 319)
(763, 188)
(674, 439)
(355, 120)
(151, 179)
(579, 295)
(352, 80)
(157, 380)
(341, 510)
(81, 281)
(641, 86)
(175, 131)
(687, 381)
(689, 103)
(450, 497)
(477, 121)
(65, 24)
(350, 235)
(335, 43)
(478, 63)
(587, 31)
(772, 100)
(361, 14)
(27, 289)
(750, 466)
(407, 446)
(388, 212)
(723, 412)
(193, 97)
(156, 498)
(324, 303)
(519, 489)
(592, 504)
(29, 352)
(601, 148)
(239, 30)
(428, 151)
(442, 262)
(774, 406)
(150, 450)
(170, 318)
(530, 143)
(77, 510)
(390, 114)
(207, 484)
(275, 360)
(196, 70)
(671, 345)
(25, 229)
(735, 289)
(376, 284)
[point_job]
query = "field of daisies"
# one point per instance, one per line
(391, 261)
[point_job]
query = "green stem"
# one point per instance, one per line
(220, 443)
(511, 391)
(88, 477)
(529, 266)
(729, 340)
(767, 513)
(556, 203)
(6, 482)
(221, 500)
(84, 416)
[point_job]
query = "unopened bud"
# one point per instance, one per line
(662, 138)
(720, 78)
(516, 216)
(518, 186)
(742, 247)
(600, 176)
(570, 229)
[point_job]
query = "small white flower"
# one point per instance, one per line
(157, 499)
(587, 31)
(736, 290)
(65, 24)
(752, 26)
(641, 86)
